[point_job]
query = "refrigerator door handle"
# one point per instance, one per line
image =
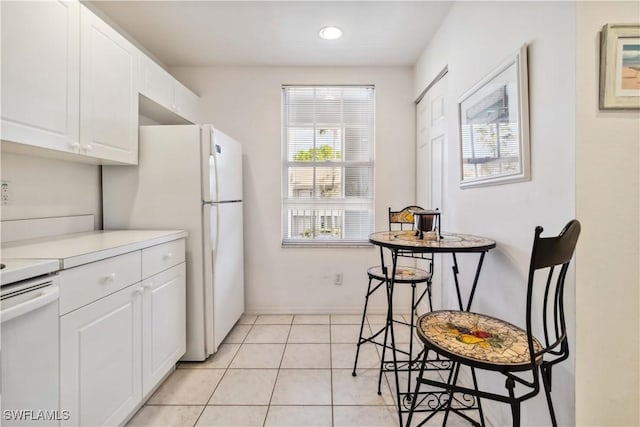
(208, 166)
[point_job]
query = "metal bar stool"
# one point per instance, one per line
(379, 276)
(484, 342)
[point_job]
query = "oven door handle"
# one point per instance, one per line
(46, 296)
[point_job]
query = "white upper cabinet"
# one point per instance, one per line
(185, 102)
(155, 83)
(108, 92)
(161, 87)
(70, 84)
(40, 73)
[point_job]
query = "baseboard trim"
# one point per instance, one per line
(256, 310)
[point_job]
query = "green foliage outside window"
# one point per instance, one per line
(323, 152)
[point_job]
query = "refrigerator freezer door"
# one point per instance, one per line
(226, 168)
(228, 269)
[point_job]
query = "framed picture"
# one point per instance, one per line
(620, 66)
(494, 126)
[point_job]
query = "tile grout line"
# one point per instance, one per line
(333, 421)
(224, 374)
(273, 390)
(279, 369)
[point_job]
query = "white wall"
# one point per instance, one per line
(45, 187)
(245, 102)
(44, 184)
(607, 197)
(475, 38)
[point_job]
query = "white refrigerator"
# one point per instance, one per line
(189, 177)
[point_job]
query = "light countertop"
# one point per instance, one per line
(15, 270)
(76, 249)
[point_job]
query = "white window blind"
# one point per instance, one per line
(327, 195)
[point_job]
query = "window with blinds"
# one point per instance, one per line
(327, 195)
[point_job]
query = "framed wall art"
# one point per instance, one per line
(620, 66)
(494, 126)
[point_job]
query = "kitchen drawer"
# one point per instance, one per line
(81, 285)
(160, 257)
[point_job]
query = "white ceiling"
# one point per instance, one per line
(182, 33)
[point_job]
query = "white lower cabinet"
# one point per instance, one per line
(101, 359)
(115, 349)
(164, 317)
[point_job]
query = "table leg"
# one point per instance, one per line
(475, 280)
(475, 385)
(391, 282)
(454, 267)
(456, 271)
(390, 340)
(410, 364)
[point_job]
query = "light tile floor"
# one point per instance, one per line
(279, 370)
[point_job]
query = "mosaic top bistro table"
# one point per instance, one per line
(407, 244)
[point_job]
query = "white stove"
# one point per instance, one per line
(15, 270)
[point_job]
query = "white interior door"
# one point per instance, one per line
(431, 142)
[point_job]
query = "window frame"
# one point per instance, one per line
(319, 206)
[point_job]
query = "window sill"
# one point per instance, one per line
(334, 245)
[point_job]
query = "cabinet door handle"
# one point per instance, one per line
(147, 286)
(75, 146)
(138, 292)
(168, 256)
(87, 147)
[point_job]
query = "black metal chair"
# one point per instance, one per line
(379, 276)
(484, 342)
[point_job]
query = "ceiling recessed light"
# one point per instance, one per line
(330, 33)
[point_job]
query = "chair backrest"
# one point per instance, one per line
(403, 218)
(551, 255)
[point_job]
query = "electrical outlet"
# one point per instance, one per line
(4, 192)
(337, 280)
